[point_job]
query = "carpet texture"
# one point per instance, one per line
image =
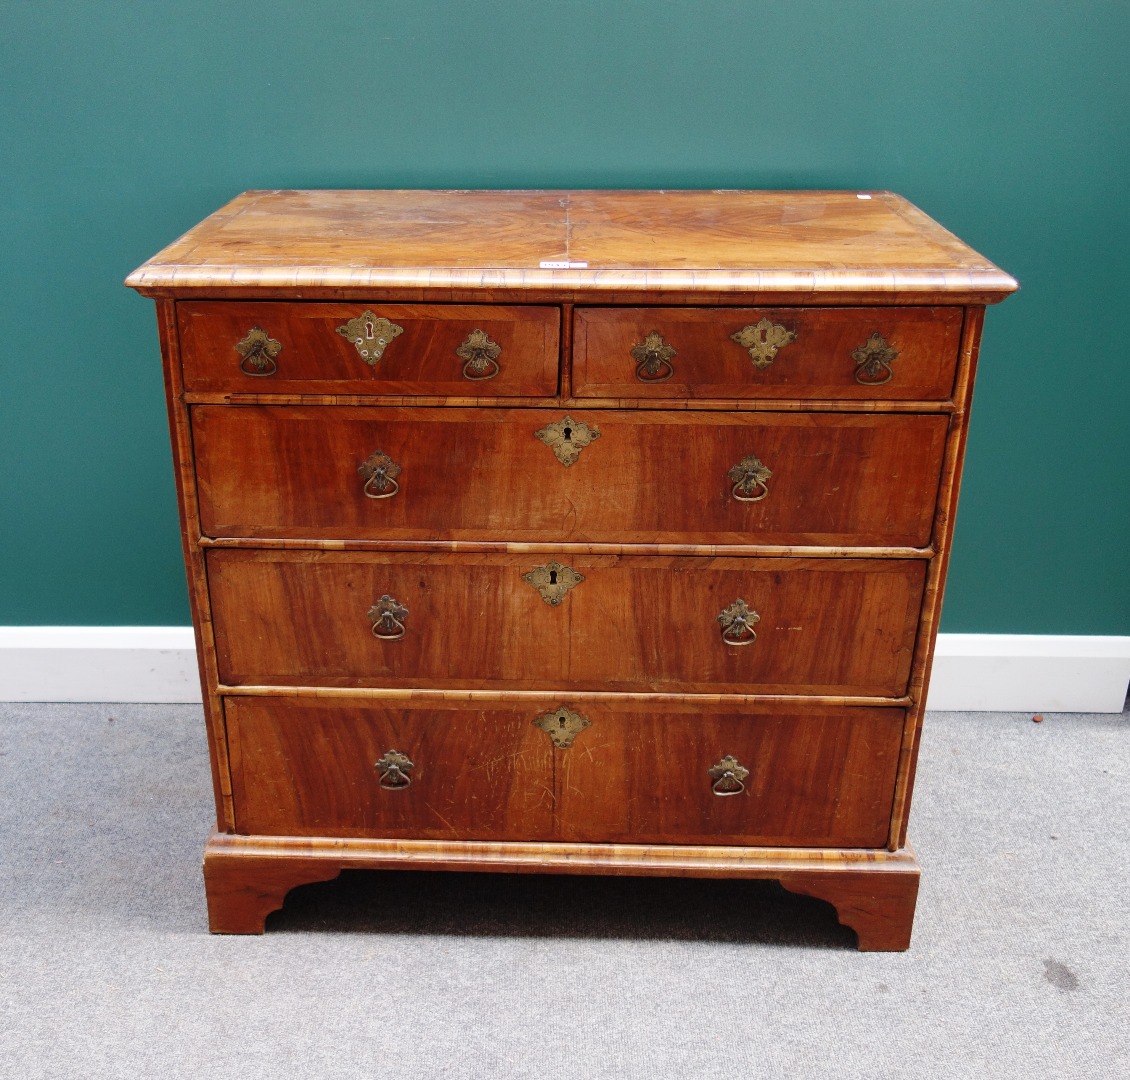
(1020, 964)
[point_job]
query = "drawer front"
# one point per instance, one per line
(550, 769)
(410, 349)
(735, 353)
(707, 775)
(825, 626)
(309, 770)
(648, 477)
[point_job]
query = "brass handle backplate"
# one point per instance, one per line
(553, 581)
(873, 361)
(481, 356)
(370, 335)
(380, 473)
(763, 340)
(737, 622)
(567, 438)
(562, 726)
(729, 776)
(653, 358)
(750, 478)
(393, 768)
(387, 616)
(258, 352)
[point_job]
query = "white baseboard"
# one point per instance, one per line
(98, 663)
(1029, 673)
(989, 672)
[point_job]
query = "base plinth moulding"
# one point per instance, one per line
(873, 892)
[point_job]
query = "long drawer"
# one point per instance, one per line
(588, 771)
(695, 625)
(550, 476)
(469, 350)
(894, 353)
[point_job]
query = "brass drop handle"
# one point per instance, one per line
(257, 352)
(393, 768)
(729, 776)
(873, 361)
(380, 473)
(763, 340)
(387, 616)
(653, 358)
(750, 478)
(480, 355)
(737, 622)
(370, 335)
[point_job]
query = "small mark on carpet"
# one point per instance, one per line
(883, 988)
(1060, 975)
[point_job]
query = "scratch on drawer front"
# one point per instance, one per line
(503, 759)
(569, 521)
(442, 818)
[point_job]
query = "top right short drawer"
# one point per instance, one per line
(811, 354)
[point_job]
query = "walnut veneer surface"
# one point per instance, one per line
(568, 531)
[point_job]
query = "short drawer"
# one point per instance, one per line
(642, 477)
(305, 768)
(708, 774)
(587, 771)
(627, 623)
(388, 349)
(904, 353)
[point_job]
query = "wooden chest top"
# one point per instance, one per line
(786, 246)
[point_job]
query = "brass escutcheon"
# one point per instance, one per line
(728, 776)
(481, 356)
(653, 358)
(749, 477)
(370, 335)
(258, 351)
(387, 616)
(763, 340)
(737, 621)
(380, 473)
(873, 361)
(393, 768)
(553, 581)
(567, 438)
(562, 726)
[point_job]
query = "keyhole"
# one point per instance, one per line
(568, 434)
(553, 577)
(369, 330)
(561, 722)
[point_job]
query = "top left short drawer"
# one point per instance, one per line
(425, 350)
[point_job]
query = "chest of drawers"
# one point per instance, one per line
(567, 532)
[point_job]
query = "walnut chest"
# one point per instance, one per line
(568, 531)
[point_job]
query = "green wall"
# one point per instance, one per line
(125, 123)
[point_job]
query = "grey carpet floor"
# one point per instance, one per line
(1019, 965)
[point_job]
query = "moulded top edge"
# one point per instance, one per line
(598, 241)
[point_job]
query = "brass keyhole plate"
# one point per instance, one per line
(553, 581)
(562, 726)
(567, 438)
